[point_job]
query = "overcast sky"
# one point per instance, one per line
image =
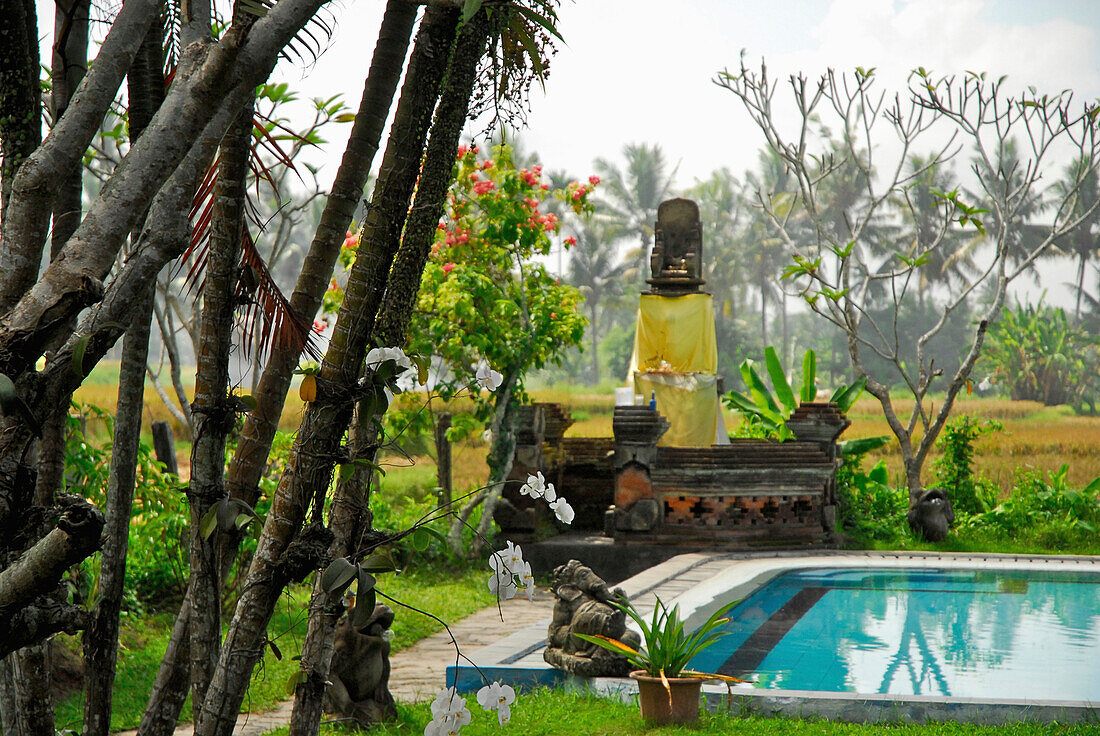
(642, 70)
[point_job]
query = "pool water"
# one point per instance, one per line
(965, 633)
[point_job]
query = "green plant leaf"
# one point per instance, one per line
(469, 9)
(338, 575)
(209, 522)
(778, 377)
(365, 597)
(808, 391)
(294, 681)
(845, 396)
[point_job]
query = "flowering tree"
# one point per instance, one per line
(486, 302)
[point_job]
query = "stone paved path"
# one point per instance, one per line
(417, 672)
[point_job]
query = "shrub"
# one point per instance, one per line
(1047, 509)
(1037, 353)
(869, 508)
(955, 468)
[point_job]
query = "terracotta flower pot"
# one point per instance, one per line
(660, 706)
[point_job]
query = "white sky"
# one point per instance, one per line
(642, 70)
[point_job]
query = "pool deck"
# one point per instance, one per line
(701, 582)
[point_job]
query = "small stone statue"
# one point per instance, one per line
(583, 607)
(360, 676)
(931, 515)
(676, 263)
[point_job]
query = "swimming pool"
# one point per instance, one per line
(967, 633)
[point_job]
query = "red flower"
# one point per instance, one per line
(593, 180)
(319, 326)
(351, 240)
(484, 187)
(570, 241)
(448, 267)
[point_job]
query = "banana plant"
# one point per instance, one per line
(771, 408)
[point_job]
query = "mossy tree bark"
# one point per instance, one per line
(350, 518)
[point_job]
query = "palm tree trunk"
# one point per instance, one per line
(350, 519)
(145, 92)
(212, 410)
(249, 460)
(318, 443)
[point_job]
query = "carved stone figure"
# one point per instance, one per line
(676, 263)
(360, 675)
(583, 607)
(931, 515)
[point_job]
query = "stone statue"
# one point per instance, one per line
(931, 515)
(583, 607)
(676, 263)
(360, 676)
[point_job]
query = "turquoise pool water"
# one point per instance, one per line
(965, 633)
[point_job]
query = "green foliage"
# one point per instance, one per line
(1036, 353)
(666, 647)
(771, 408)
(484, 296)
(156, 560)
(1047, 509)
(954, 468)
(869, 508)
(578, 712)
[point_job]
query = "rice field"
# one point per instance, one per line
(1034, 437)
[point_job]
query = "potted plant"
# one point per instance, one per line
(667, 692)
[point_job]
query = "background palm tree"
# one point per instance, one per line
(1083, 244)
(596, 271)
(629, 197)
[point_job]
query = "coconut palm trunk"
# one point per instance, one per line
(145, 91)
(286, 551)
(350, 519)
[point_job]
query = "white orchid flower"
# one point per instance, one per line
(550, 494)
(526, 581)
(514, 556)
(563, 511)
(503, 585)
(488, 378)
(535, 487)
(447, 701)
(449, 724)
(378, 356)
(498, 697)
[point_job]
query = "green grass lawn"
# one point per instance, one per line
(560, 713)
(451, 595)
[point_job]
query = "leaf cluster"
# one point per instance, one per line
(771, 408)
(667, 647)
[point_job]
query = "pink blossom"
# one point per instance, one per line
(351, 240)
(578, 194)
(593, 180)
(484, 187)
(462, 151)
(448, 267)
(487, 165)
(474, 176)
(570, 241)
(537, 169)
(319, 325)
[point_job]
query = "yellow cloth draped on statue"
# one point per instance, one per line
(676, 358)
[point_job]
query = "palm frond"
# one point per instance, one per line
(268, 321)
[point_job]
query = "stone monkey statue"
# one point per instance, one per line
(931, 515)
(583, 607)
(360, 673)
